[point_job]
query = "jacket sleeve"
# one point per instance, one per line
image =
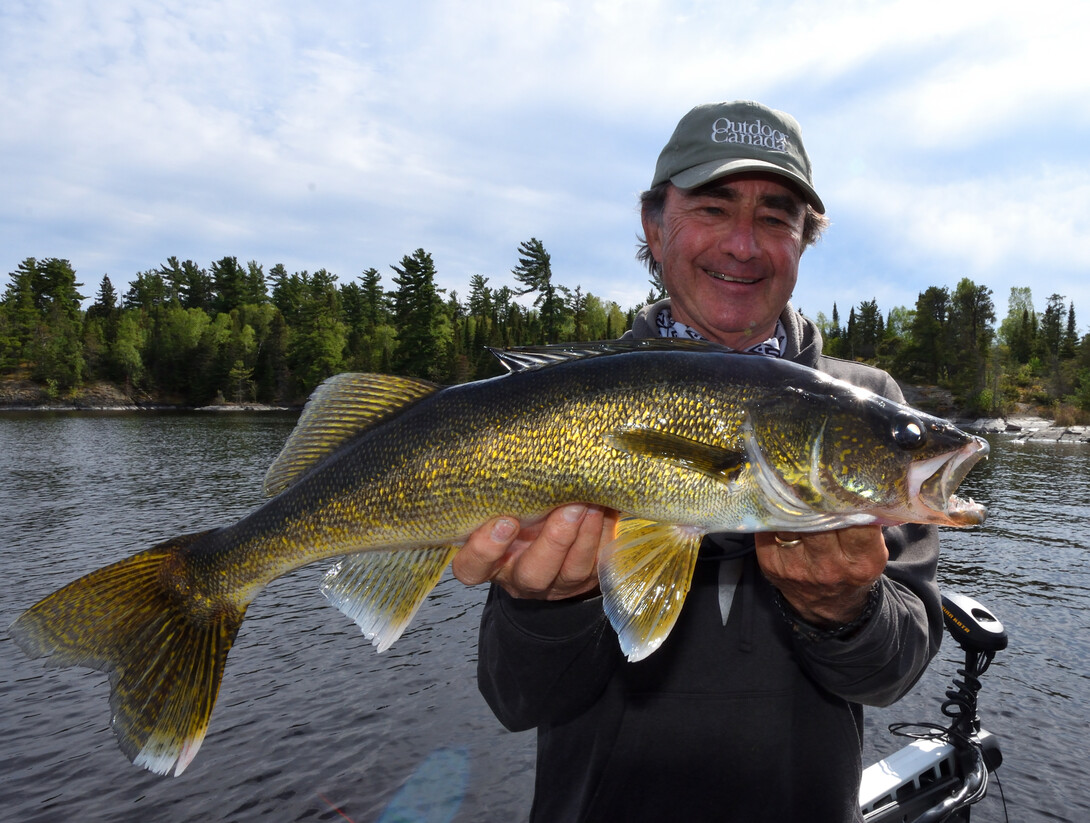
(877, 665)
(543, 662)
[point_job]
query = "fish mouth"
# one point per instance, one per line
(931, 486)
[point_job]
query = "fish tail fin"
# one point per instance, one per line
(165, 663)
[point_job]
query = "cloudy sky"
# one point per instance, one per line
(949, 139)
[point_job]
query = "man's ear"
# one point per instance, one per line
(652, 232)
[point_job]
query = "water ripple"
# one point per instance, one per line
(312, 723)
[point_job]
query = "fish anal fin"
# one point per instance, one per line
(382, 590)
(165, 666)
(645, 574)
(715, 461)
(339, 409)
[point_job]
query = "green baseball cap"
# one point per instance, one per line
(717, 139)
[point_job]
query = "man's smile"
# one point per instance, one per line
(727, 278)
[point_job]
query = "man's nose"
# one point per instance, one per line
(739, 238)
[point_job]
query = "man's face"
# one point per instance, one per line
(730, 253)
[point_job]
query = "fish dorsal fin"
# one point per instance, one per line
(340, 408)
(523, 358)
(645, 574)
(382, 590)
(714, 461)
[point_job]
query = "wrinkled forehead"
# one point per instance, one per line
(772, 189)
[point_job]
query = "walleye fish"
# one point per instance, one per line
(392, 474)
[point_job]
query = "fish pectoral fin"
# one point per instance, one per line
(382, 590)
(717, 462)
(165, 662)
(339, 409)
(645, 575)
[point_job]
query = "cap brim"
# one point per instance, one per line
(706, 172)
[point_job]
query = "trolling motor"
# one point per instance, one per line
(980, 635)
(937, 778)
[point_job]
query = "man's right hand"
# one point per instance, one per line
(551, 559)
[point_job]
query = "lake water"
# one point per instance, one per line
(312, 724)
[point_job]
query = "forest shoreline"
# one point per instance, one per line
(25, 396)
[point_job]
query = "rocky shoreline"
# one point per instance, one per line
(1027, 429)
(24, 396)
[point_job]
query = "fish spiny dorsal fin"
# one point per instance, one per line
(340, 408)
(523, 358)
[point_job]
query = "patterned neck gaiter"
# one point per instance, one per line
(669, 327)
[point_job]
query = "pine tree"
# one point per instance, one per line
(535, 272)
(1070, 341)
(417, 311)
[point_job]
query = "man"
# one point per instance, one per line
(751, 709)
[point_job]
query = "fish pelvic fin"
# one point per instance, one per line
(165, 666)
(383, 590)
(339, 409)
(645, 574)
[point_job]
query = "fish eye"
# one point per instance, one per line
(908, 432)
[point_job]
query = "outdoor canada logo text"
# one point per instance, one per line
(725, 130)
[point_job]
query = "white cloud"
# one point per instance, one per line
(347, 134)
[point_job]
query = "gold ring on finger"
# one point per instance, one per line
(787, 544)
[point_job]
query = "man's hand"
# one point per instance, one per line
(825, 577)
(552, 559)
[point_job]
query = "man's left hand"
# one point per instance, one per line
(826, 576)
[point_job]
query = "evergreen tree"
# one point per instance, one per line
(173, 278)
(971, 319)
(868, 330)
(105, 304)
(1018, 331)
(1050, 335)
(1070, 341)
(18, 317)
(375, 311)
(43, 324)
(417, 311)
(148, 291)
(232, 285)
(926, 355)
(317, 341)
(288, 293)
(535, 272)
(575, 302)
(480, 297)
(100, 330)
(255, 293)
(851, 336)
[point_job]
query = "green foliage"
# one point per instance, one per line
(536, 273)
(417, 317)
(184, 333)
(1081, 395)
(41, 325)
